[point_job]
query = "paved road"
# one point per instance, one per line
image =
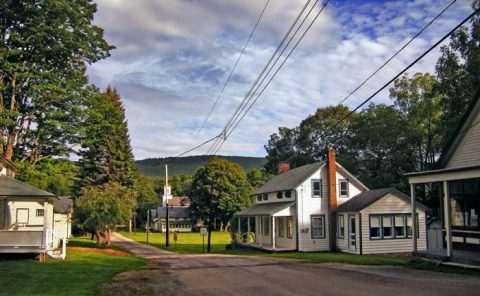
(172, 274)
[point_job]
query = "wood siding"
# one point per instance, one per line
(390, 204)
(468, 151)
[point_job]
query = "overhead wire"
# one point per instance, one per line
(245, 99)
(273, 76)
(403, 71)
(231, 73)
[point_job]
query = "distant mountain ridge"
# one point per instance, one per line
(153, 167)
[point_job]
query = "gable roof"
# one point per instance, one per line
(290, 179)
(269, 208)
(466, 122)
(13, 188)
(8, 164)
(364, 199)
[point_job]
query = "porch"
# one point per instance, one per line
(267, 226)
(23, 241)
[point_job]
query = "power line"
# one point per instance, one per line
(404, 70)
(396, 53)
(273, 76)
(231, 73)
(199, 145)
(245, 99)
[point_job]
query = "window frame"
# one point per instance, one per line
(313, 181)
(289, 226)
(340, 228)
(279, 194)
(281, 226)
(288, 194)
(394, 235)
(345, 181)
(266, 226)
(322, 226)
(38, 211)
(265, 196)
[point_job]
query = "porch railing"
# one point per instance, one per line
(26, 238)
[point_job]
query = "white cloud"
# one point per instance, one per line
(172, 58)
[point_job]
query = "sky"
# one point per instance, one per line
(173, 57)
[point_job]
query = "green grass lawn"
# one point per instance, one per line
(80, 274)
(191, 243)
(187, 243)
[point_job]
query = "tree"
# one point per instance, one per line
(44, 49)
(458, 73)
(106, 155)
(219, 190)
(257, 177)
(420, 112)
(377, 147)
(147, 198)
(102, 207)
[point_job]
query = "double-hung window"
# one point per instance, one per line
(343, 188)
(391, 226)
(340, 227)
(318, 226)
(289, 226)
(266, 225)
(281, 226)
(317, 188)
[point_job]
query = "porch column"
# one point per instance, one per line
(261, 230)
(447, 217)
(248, 229)
(273, 233)
(45, 224)
(413, 194)
(239, 234)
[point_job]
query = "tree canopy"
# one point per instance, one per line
(219, 190)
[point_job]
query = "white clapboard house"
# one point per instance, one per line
(31, 220)
(297, 210)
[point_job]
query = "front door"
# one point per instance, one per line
(352, 233)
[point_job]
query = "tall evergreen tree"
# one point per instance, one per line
(106, 162)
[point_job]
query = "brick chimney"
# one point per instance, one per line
(282, 167)
(332, 197)
(332, 179)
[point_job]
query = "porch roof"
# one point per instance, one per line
(13, 188)
(448, 174)
(265, 209)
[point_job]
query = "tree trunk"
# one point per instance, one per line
(103, 235)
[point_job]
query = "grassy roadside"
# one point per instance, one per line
(80, 274)
(191, 243)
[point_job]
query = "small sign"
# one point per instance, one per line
(203, 231)
(175, 237)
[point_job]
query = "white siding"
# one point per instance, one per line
(391, 204)
(34, 222)
(343, 244)
(468, 152)
(284, 242)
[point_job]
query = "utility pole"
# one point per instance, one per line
(166, 193)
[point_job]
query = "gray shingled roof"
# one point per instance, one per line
(174, 212)
(290, 179)
(63, 205)
(13, 188)
(364, 199)
(265, 208)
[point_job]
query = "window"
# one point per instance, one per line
(266, 225)
(464, 202)
(387, 225)
(281, 226)
(280, 194)
(340, 227)
(259, 197)
(265, 196)
(289, 226)
(399, 226)
(343, 187)
(40, 212)
(318, 226)
(317, 188)
(22, 216)
(391, 226)
(288, 194)
(375, 227)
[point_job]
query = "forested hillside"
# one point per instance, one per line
(153, 167)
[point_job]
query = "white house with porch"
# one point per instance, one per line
(458, 175)
(28, 223)
(293, 210)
